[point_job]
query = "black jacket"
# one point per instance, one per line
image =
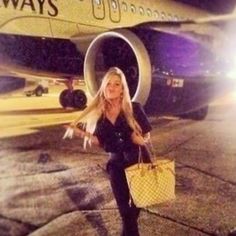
(116, 138)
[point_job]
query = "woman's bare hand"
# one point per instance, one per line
(71, 131)
(75, 131)
(137, 138)
(80, 133)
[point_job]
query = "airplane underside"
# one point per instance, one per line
(46, 55)
(168, 74)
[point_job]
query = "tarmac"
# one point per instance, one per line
(50, 186)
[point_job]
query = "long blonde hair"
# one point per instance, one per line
(100, 103)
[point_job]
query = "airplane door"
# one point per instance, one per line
(114, 10)
(98, 9)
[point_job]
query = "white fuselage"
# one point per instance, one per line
(73, 18)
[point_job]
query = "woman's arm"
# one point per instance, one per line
(141, 139)
(81, 134)
(147, 137)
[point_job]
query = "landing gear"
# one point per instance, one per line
(79, 99)
(73, 98)
(199, 114)
(39, 91)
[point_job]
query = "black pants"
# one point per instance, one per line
(128, 211)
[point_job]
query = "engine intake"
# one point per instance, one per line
(143, 64)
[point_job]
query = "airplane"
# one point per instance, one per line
(170, 52)
(16, 78)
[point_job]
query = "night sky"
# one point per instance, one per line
(214, 6)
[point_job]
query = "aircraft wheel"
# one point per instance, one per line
(79, 99)
(200, 114)
(39, 91)
(66, 98)
(28, 94)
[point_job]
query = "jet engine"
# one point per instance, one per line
(124, 49)
(167, 73)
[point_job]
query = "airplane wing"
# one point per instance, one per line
(35, 75)
(214, 32)
(189, 53)
(15, 78)
(132, 52)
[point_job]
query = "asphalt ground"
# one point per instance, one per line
(51, 186)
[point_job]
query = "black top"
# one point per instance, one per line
(116, 137)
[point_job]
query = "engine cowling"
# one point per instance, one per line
(152, 61)
(121, 48)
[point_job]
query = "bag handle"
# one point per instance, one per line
(150, 151)
(140, 159)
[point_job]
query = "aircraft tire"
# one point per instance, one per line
(79, 99)
(199, 114)
(66, 98)
(39, 91)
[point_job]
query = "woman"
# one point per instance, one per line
(120, 127)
